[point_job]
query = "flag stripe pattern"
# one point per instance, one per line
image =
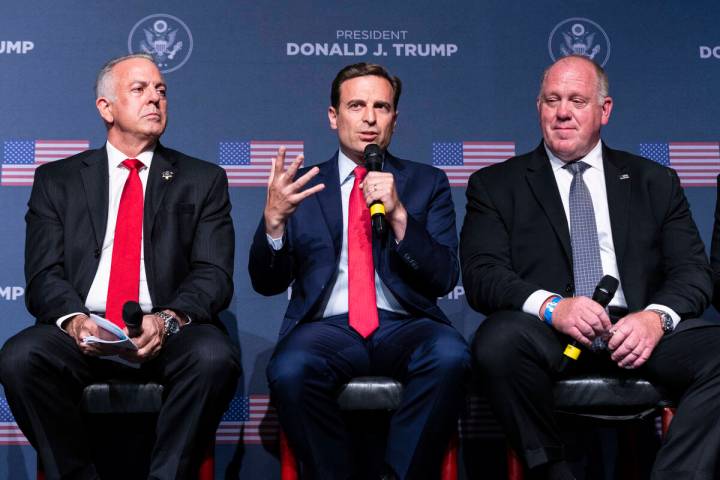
(460, 159)
(22, 157)
(250, 420)
(696, 163)
(10, 434)
(253, 420)
(248, 163)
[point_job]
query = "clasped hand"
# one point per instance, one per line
(631, 340)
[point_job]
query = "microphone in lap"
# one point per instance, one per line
(603, 294)
(132, 315)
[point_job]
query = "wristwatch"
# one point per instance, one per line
(172, 326)
(666, 321)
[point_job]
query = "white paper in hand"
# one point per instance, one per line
(117, 338)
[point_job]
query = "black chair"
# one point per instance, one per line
(123, 401)
(604, 397)
(368, 394)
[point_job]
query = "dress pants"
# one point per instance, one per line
(44, 373)
(519, 357)
(310, 363)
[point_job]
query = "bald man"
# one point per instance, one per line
(540, 232)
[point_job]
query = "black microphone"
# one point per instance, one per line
(604, 292)
(132, 315)
(373, 163)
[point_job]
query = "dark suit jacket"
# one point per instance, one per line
(189, 239)
(516, 240)
(715, 251)
(421, 268)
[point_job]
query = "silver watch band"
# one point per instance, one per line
(171, 324)
(666, 321)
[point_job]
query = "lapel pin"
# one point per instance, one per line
(167, 175)
(624, 176)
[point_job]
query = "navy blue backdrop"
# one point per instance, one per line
(244, 77)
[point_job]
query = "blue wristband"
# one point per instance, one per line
(549, 309)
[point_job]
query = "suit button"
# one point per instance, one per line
(569, 289)
(97, 253)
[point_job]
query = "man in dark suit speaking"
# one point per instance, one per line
(131, 221)
(541, 230)
(362, 303)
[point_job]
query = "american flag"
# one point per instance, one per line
(248, 163)
(249, 420)
(253, 420)
(460, 159)
(22, 157)
(696, 163)
(10, 434)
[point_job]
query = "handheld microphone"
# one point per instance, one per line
(373, 163)
(132, 315)
(604, 292)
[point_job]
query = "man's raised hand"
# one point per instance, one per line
(284, 193)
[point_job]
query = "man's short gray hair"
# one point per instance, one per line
(104, 83)
(603, 84)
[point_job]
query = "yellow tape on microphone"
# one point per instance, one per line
(376, 208)
(572, 351)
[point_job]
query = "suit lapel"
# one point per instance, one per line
(95, 183)
(617, 182)
(162, 171)
(544, 186)
(330, 201)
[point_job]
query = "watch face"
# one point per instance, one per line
(667, 323)
(665, 320)
(171, 326)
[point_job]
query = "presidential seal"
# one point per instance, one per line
(579, 36)
(163, 36)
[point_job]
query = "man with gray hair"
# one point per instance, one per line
(130, 226)
(540, 232)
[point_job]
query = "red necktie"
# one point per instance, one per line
(125, 267)
(362, 306)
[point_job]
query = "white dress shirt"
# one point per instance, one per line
(594, 178)
(118, 174)
(336, 300)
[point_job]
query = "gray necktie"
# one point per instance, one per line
(587, 267)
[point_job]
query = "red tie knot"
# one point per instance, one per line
(360, 173)
(133, 164)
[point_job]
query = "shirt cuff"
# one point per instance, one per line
(675, 317)
(275, 243)
(59, 322)
(534, 302)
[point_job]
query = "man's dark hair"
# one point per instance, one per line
(361, 70)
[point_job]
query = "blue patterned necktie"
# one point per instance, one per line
(587, 267)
